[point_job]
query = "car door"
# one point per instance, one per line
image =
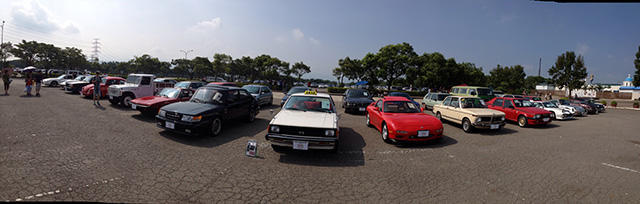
(265, 95)
(509, 110)
(444, 108)
(145, 88)
(376, 115)
(232, 102)
(497, 104)
(425, 99)
(454, 110)
(245, 102)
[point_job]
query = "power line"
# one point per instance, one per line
(186, 53)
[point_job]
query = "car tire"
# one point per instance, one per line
(113, 101)
(466, 125)
(126, 100)
(368, 120)
(384, 132)
(216, 127)
(522, 121)
(439, 116)
(53, 84)
(553, 116)
(251, 116)
(278, 148)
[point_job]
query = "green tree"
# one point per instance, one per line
(243, 68)
(337, 72)
(352, 69)
(569, 71)
(183, 67)
(508, 79)
(5, 52)
(299, 69)
(73, 58)
(371, 69)
(26, 51)
(636, 63)
(221, 64)
(394, 60)
(148, 64)
(202, 67)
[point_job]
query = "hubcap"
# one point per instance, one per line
(439, 116)
(215, 127)
(465, 125)
(127, 101)
(384, 132)
(522, 121)
(368, 119)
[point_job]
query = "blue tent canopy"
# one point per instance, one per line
(361, 83)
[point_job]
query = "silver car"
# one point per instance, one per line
(262, 93)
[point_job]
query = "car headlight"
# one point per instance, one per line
(329, 132)
(537, 116)
(439, 130)
(190, 118)
(401, 132)
(274, 128)
(162, 113)
(502, 118)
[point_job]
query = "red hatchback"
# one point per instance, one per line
(87, 91)
(520, 110)
(151, 104)
(399, 119)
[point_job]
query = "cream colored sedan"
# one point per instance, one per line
(469, 111)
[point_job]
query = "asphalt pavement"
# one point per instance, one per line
(59, 147)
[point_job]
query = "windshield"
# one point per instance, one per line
(252, 89)
(169, 93)
(297, 90)
(549, 105)
(61, 76)
(484, 92)
(523, 103)
(358, 93)
(473, 103)
(104, 80)
(400, 107)
(204, 95)
(401, 94)
(182, 85)
(442, 96)
(79, 78)
(309, 103)
(133, 79)
(88, 79)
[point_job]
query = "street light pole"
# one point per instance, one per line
(186, 53)
(2, 42)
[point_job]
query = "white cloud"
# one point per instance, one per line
(208, 25)
(32, 16)
(582, 48)
(297, 33)
(314, 41)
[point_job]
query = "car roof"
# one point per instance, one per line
(112, 77)
(151, 75)
(440, 93)
(473, 87)
(324, 95)
(258, 85)
(220, 87)
(395, 98)
(452, 96)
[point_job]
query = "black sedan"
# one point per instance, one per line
(207, 109)
(356, 100)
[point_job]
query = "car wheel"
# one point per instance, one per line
(53, 84)
(553, 115)
(278, 148)
(126, 100)
(439, 116)
(252, 116)
(522, 121)
(466, 125)
(368, 120)
(216, 127)
(113, 101)
(385, 133)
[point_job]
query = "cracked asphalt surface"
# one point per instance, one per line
(59, 147)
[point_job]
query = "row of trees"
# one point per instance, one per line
(263, 67)
(400, 65)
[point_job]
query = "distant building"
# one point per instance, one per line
(627, 87)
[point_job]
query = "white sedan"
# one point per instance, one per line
(57, 80)
(556, 112)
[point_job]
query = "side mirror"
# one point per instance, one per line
(376, 108)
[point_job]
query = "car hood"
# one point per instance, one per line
(358, 100)
(483, 111)
(305, 119)
(410, 120)
(49, 79)
(87, 87)
(78, 82)
(150, 100)
(189, 108)
(556, 110)
(532, 110)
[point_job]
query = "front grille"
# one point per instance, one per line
(546, 115)
(173, 115)
(487, 119)
(302, 131)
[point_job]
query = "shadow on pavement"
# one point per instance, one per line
(349, 152)
(487, 132)
(231, 130)
(437, 143)
(119, 107)
(548, 126)
(144, 118)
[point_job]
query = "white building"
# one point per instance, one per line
(627, 87)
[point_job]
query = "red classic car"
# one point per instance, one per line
(520, 110)
(87, 91)
(151, 104)
(399, 119)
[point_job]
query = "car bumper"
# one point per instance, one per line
(314, 142)
(564, 117)
(414, 138)
(182, 127)
(481, 125)
(356, 107)
(532, 121)
(144, 108)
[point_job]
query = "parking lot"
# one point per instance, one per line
(61, 147)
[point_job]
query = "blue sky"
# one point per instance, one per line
(319, 33)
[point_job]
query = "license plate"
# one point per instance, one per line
(361, 109)
(424, 133)
(495, 126)
(133, 106)
(111, 97)
(301, 145)
(170, 125)
(545, 119)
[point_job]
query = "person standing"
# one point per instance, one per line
(96, 89)
(37, 78)
(6, 80)
(28, 81)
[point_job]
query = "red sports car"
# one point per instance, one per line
(520, 110)
(399, 119)
(87, 91)
(151, 104)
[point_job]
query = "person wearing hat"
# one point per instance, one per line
(96, 89)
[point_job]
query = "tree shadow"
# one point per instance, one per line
(231, 130)
(349, 152)
(436, 143)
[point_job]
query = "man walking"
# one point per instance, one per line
(37, 78)
(6, 80)
(96, 89)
